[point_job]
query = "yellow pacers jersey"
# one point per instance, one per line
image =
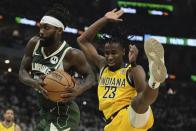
(3, 128)
(114, 90)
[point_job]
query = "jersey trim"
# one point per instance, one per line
(13, 125)
(114, 114)
(101, 71)
(63, 55)
(36, 47)
(54, 53)
(129, 80)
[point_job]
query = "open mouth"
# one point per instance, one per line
(111, 63)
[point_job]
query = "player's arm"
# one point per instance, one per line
(80, 64)
(85, 40)
(25, 66)
(18, 128)
(82, 67)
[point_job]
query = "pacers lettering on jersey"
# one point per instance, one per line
(110, 81)
(42, 68)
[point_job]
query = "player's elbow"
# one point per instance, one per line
(92, 81)
(81, 40)
(21, 76)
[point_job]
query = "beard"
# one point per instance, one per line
(46, 41)
(8, 120)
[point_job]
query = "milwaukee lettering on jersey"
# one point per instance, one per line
(42, 68)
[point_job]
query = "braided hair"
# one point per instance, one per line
(59, 12)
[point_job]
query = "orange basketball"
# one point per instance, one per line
(55, 84)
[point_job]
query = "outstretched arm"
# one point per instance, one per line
(85, 40)
(82, 67)
(80, 64)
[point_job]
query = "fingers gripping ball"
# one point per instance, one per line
(55, 84)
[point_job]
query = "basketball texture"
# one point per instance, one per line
(55, 84)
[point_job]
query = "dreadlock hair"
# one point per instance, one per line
(59, 12)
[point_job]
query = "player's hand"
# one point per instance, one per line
(71, 92)
(38, 85)
(114, 15)
(133, 53)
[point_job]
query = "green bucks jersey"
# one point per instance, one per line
(43, 64)
(61, 115)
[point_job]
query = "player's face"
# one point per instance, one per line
(114, 54)
(9, 115)
(47, 34)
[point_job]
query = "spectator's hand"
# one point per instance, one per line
(133, 53)
(114, 15)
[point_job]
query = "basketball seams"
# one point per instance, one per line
(55, 91)
(66, 77)
(56, 81)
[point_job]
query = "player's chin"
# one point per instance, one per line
(9, 119)
(42, 40)
(111, 65)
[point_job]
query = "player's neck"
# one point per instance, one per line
(7, 123)
(49, 50)
(117, 67)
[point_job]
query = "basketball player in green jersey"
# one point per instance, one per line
(124, 95)
(48, 52)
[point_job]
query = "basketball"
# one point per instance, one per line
(55, 84)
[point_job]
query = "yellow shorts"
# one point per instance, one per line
(121, 122)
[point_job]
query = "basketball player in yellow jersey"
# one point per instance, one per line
(124, 95)
(8, 123)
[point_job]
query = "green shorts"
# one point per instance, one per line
(59, 117)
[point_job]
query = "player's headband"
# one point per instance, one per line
(52, 21)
